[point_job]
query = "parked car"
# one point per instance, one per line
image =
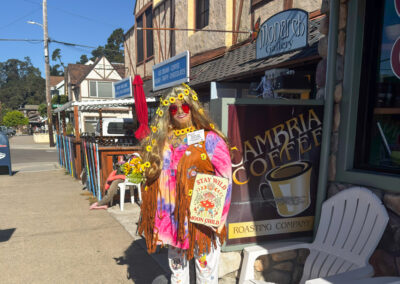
(117, 127)
(9, 131)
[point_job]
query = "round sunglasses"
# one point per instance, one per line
(173, 108)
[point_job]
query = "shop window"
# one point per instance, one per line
(90, 124)
(378, 121)
(100, 89)
(144, 38)
(202, 12)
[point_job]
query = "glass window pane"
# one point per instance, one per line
(139, 43)
(92, 89)
(104, 89)
(149, 33)
(378, 129)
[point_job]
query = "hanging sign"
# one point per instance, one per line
(123, 89)
(283, 32)
(172, 71)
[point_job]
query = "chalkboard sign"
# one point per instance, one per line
(5, 157)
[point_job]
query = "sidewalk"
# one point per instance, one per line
(48, 235)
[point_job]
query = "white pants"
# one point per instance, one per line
(206, 266)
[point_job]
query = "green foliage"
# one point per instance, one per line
(83, 59)
(113, 50)
(56, 55)
(15, 118)
(42, 110)
(20, 83)
(59, 99)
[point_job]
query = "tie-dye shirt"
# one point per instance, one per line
(165, 223)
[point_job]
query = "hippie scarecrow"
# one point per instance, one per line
(169, 181)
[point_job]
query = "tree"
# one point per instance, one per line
(42, 110)
(113, 50)
(20, 83)
(83, 59)
(56, 55)
(59, 99)
(15, 118)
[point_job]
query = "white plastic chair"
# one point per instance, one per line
(351, 225)
(122, 187)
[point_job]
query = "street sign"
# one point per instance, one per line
(5, 158)
(172, 71)
(123, 89)
(283, 32)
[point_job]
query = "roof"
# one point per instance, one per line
(242, 60)
(54, 80)
(98, 104)
(120, 68)
(30, 107)
(77, 72)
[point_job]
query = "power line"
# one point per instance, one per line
(21, 39)
(20, 18)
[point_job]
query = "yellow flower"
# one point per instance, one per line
(172, 100)
(160, 113)
(186, 91)
(141, 168)
(147, 164)
(165, 102)
(180, 96)
(153, 142)
(158, 109)
(190, 192)
(203, 156)
(146, 188)
(201, 111)
(154, 129)
(212, 125)
(194, 97)
(149, 148)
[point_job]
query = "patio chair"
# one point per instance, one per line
(351, 225)
(122, 187)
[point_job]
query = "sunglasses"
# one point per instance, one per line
(173, 108)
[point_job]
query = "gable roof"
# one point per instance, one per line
(120, 68)
(54, 80)
(77, 72)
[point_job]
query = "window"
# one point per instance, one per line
(90, 124)
(144, 38)
(100, 89)
(378, 123)
(202, 11)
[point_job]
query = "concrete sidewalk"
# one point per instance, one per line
(48, 235)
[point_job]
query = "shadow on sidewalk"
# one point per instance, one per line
(6, 234)
(142, 268)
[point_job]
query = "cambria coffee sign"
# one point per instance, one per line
(283, 32)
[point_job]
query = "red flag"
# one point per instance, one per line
(141, 108)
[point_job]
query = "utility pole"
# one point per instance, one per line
(47, 72)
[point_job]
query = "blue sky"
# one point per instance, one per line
(86, 22)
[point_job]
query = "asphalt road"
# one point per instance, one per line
(19, 156)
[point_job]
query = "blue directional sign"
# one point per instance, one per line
(123, 88)
(283, 32)
(172, 71)
(5, 158)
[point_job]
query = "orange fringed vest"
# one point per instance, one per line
(199, 235)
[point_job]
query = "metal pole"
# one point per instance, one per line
(47, 72)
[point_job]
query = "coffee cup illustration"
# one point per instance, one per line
(290, 186)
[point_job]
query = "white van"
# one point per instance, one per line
(117, 127)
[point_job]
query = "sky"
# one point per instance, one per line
(84, 22)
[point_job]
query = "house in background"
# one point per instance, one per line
(57, 86)
(93, 82)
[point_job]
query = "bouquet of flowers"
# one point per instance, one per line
(134, 169)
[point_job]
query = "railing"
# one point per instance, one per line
(91, 164)
(67, 153)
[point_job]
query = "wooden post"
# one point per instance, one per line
(101, 122)
(57, 122)
(76, 119)
(64, 131)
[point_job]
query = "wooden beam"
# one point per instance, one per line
(76, 119)
(235, 35)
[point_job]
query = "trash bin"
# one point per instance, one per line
(5, 157)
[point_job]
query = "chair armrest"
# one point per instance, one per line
(253, 252)
(345, 277)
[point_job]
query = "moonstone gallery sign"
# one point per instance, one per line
(283, 32)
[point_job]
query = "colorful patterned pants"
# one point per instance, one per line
(206, 266)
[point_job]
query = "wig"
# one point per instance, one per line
(162, 126)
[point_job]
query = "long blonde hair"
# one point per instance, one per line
(161, 125)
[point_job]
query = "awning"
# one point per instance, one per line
(98, 104)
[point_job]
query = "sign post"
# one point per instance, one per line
(172, 71)
(123, 89)
(5, 157)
